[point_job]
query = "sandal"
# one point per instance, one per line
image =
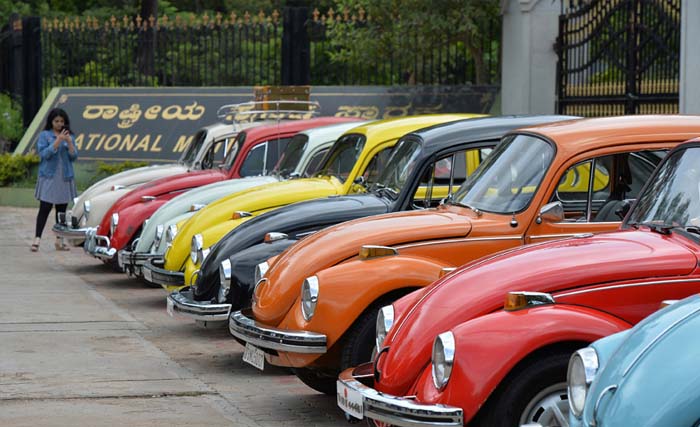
(35, 245)
(61, 246)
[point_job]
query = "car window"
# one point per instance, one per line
(315, 163)
(452, 168)
(275, 149)
(376, 165)
(254, 163)
(598, 197)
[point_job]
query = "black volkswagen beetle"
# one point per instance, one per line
(425, 167)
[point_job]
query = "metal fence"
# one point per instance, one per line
(619, 57)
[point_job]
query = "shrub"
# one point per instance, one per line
(107, 169)
(11, 126)
(16, 168)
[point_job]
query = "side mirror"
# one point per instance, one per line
(294, 175)
(551, 212)
(624, 208)
(360, 180)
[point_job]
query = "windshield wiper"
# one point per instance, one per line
(476, 210)
(653, 226)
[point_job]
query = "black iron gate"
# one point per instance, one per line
(618, 57)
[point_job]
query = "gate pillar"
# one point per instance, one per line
(689, 90)
(530, 29)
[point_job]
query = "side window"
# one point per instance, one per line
(435, 183)
(254, 163)
(315, 163)
(376, 165)
(599, 197)
(275, 148)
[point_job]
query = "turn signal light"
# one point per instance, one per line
(240, 214)
(666, 303)
(147, 198)
(446, 270)
(519, 300)
(371, 251)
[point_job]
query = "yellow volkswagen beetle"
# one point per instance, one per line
(355, 160)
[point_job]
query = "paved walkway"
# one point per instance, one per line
(82, 345)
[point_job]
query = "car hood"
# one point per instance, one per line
(335, 244)
(253, 200)
(640, 367)
(547, 267)
(128, 178)
(303, 217)
(203, 195)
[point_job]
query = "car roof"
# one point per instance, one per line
(388, 129)
(290, 127)
(439, 137)
(331, 131)
(598, 132)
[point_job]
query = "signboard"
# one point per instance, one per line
(157, 124)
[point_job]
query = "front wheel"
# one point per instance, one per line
(535, 392)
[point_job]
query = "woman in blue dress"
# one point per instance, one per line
(56, 183)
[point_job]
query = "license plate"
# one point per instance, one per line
(349, 400)
(170, 307)
(147, 275)
(254, 356)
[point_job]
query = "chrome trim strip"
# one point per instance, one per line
(401, 411)
(626, 285)
(69, 233)
(161, 276)
(657, 338)
(605, 391)
(136, 258)
(247, 329)
(553, 236)
(468, 239)
(183, 303)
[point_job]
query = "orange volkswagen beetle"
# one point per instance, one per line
(316, 307)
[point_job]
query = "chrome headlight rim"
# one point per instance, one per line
(170, 234)
(224, 280)
(385, 320)
(582, 369)
(442, 359)
(261, 270)
(113, 223)
(158, 235)
(196, 248)
(86, 209)
(309, 297)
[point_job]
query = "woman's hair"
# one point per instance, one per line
(52, 115)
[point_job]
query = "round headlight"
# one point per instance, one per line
(86, 209)
(113, 223)
(224, 279)
(443, 359)
(583, 367)
(260, 270)
(170, 235)
(196, 248)
(158, 235)
(309, 297)
(385, 320)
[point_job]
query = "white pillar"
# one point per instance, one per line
(689, 88)
(529, 63)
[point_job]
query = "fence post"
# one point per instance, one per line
(31, 47)
(296, 47)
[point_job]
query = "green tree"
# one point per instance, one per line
(406, 28)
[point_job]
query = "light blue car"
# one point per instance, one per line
(646, 376)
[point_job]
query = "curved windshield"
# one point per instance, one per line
(289, 160)
(233, 150)
(342, 157)
(672, 197)
(399, 167)
(190, 153)
(507, 180)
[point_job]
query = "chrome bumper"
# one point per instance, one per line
(182, 302)
(92, 245)
(75, 235)
(243, 327)
(132, 262)
(160, 276)
(400, 411)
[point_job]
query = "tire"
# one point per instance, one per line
(358, 342)
(316, 380)
(535, 391)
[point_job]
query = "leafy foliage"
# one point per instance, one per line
(107, 169)
(16, 168)
(10, 119)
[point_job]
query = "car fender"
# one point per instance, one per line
(512, 336)
(131, 220)
(342, 299)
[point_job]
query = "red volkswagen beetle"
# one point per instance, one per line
(132, 209)
(454, 353)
